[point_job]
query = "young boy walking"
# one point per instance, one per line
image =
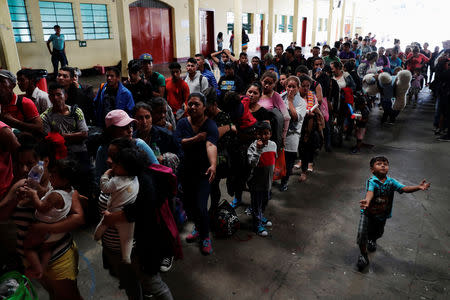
(261, 156)
(376, 207)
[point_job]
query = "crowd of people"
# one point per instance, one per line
(133, 155)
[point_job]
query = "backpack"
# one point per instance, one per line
(277, 124)
(226, 222)
(19, 104)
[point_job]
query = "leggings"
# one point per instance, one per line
(195, 199)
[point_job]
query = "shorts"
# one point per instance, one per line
(65, 267)
(370, 228)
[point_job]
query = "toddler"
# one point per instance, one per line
(261, 156)
(361, 119)
(376, 207)
(52, 208)
(415, 87)
(122, 184)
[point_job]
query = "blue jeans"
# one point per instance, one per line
(259, 200)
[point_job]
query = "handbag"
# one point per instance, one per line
(324, 109)
(280, 166)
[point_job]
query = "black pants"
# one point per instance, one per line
(195, 199)
(306, 155)
(290, 160)
(58, 56)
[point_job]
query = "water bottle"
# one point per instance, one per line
(156, 150)
(36, 172)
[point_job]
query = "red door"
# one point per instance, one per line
(304, 22)
(206, 25)
(151, 30)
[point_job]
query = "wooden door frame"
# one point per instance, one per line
(214, 28)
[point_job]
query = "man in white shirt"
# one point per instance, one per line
(27, 79)
(196, 81)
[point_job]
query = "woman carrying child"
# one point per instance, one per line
(60, 276)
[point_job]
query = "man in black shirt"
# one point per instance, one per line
(135, 84)
(310, 61)
(230, 82)
(66, 77)
(243, 69)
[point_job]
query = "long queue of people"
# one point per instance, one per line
(149, 147)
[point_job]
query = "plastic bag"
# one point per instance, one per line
(25, 290)
(280, 166)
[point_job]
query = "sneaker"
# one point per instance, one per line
(283, 187)
(363, 262)
(193, 236)
(236, 202)
(372, 246)
(248, 211)
(355, 150)
(262, 231)
(266, 222)
(166, 264)
(444, 138)
(206, 248)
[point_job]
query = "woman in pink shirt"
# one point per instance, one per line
(271, 98)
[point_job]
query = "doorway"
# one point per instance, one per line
(151, 30)
(207, 40)
(304, 22)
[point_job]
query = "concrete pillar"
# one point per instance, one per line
(330, 21)
(194, 28)
(270, 26)
(314, 25)
(295, 22)
(9, 56)
(352, 26)
(341, 27)
(237, 43)
(124, 30)
(77, 19)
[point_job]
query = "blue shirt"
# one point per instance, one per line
(383, 196)
(395, 63)
(123, 100)
(194, 159)
(57, 41)
(211, 79)
(102, 155)
(357, 53)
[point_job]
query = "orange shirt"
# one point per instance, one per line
(177, 93)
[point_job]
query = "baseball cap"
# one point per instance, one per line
(146, 56)
(118, 118)
(7, 74)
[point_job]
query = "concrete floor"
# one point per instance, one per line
(311, 251)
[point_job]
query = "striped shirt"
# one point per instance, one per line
(110, 238)
(23, 217)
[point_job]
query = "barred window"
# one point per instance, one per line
(95, 21)
(57, 13)
(19, 19)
